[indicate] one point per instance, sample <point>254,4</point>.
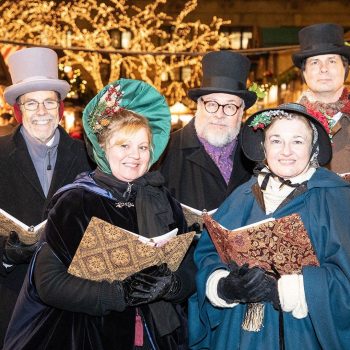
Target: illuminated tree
<point>162,50</point>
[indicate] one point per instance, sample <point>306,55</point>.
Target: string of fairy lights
<point>118,39</point>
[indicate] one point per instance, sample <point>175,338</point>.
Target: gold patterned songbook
<point>193,215</point>
<point>27,234</point>
<point>108,252</point>
<point>282,243</point>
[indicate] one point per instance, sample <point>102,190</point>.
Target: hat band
<point>323,46</point>
<point>38,77</point>
<point>221,82</point>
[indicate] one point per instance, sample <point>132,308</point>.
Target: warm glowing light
<point>122,38</point>
<point>4,107</point>
<point>179,108</point>
<point>68,119</point>
<point>273,94</point>
<point>67,69</point>
<point>185,118</point>
<point>174,119</point>
<point>180,112</point>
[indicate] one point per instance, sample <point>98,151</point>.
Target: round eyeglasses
<point>229,109</point>
<point>33,105</point>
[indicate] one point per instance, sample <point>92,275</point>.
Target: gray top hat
<point>226,72</point>
<point>321,39</point>
<point>34,69</point>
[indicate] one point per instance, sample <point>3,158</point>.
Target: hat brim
<point>12,92</point>
<point>249,97</point>
<point>143,99</point>
<point>252,140</point>
<point>300,56</point>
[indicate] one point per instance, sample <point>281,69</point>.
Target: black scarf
<point>154,212</point>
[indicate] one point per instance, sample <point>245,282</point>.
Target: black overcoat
<point>21,196</point>
<point>192,176</point>
<point>36,325</point>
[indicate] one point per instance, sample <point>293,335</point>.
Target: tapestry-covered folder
<point>282,243</point>
<point>27,234</point>
<point>108,252</point>
<point>193,215</point>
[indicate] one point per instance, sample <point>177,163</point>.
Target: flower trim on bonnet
<point>106,108</point>
<point>262,120</point>
<point>132,95</point>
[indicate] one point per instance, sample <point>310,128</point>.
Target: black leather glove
<point>150,284</point>
<point>195,227</point>
<point>248,285</point>
<point>16,252</point>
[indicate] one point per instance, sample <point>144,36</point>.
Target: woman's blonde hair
<point>126,123</point>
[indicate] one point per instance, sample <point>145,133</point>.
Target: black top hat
<point>226,72</point>
<point>321,39</point>
<point>252,140</point>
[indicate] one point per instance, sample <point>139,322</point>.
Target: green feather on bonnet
<point>133,95</point>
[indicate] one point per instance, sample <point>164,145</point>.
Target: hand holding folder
<point>280,243</point>
<point>27,234</point>
<point>195,216</point>
<point>108,252</point>
<point>276,245</point>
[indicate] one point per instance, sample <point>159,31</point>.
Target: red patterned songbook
<point>282,243</point>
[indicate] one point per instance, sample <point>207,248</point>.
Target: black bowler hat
<point>321,39</point>
<point>252,135</point>
<point>225,72</point>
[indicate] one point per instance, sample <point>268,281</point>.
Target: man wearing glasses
<point>204,161</point>
<point>35,160</point>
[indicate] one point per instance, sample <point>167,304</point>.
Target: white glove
<point>292,295</point>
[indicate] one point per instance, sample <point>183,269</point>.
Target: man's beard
<point>220,139</point>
